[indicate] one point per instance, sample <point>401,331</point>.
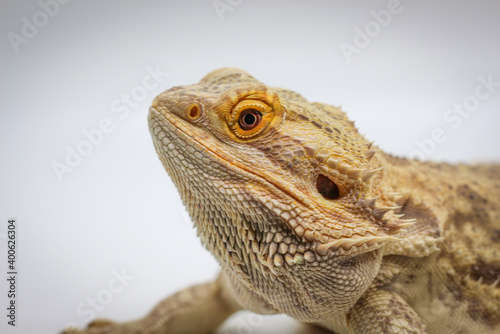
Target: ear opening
<point>327,188</point>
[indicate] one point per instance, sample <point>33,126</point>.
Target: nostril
<point>327,188</point>
<point>194,112</point>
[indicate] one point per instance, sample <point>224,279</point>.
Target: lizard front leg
<point>197,309</point>
<point>380,311</point>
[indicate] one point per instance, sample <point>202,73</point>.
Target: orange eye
<point>253,116</point>
<point>249,119</point>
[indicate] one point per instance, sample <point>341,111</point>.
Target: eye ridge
<point>249,119</point>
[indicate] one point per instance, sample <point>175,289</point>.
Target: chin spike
<point>369,154</point>
<point>379,212</point>
<point>354,173</point>
<point>494,286</point>
<point>395,225</point>
<point>369,173</point>
<point>371,202</point>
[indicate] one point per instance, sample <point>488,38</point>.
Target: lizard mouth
<point>180,130</point>
<point>177,125</point>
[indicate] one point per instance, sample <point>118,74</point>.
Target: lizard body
<point>308,218</point>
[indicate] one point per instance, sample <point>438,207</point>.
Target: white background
<point>117,210</point>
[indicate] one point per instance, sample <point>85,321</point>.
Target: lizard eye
<point>249,119</point>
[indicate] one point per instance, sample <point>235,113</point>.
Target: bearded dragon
<point>308,218</point>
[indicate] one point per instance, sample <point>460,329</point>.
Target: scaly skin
<point>308,218</point>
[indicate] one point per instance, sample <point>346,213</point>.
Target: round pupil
<point>249,119</point>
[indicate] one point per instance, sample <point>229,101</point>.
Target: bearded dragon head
<point>277,187</point>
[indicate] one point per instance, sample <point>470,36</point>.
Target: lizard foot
<point>100,323</point>
<point>103,326</point>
